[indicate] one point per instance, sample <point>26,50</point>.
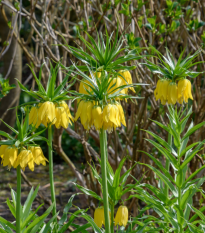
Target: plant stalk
<point>103,146</point>
<point>50,153</point>
<point>18,201</point>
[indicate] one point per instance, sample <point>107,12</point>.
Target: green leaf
<point>29,201</point>
<point>192,130</point>
<point>6,135</point>
<point>12,129</point>
<point>66,209</point>
<point>163,178</point>
<point>116,180</point>
<point>88,192</point>
<point>81,228</point>
<point>192,154</point>
<point>34,226</point>
<point>2,220</point>
<point>12,209</point>
<point>166,153</point>
<point>30,217</point>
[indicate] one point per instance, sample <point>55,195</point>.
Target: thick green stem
<point>112,218</point>
<point>18,201</point>
<point>50,153</point>
<point>103,146</point>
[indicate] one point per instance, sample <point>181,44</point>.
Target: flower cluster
<point>108,118</point>
<point>121,217</point>
<point>171,92</point>
<point>123,78</point>
<point>50,113</point>
<point>27,157</point>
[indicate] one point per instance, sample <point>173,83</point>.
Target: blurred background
<point>30,32</point>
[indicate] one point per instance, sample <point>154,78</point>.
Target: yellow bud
<point>121,217</point>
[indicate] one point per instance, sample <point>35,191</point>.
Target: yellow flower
<point>184,91</point>
<point>113,116</point>
<point>172,93</point>
<point>99,217</point>
<point>9,157</point>
<point>161,91</point>
<point>121,217</point>
<point>34,117</point>
<point>25,158</point>
<point>2,150</point>
<point>63,116</point>
<point>126,80</point>
<point>97,116</point>
<point>38,156</point>
<point>47,113</point>
<point>116,82</point>
<point>85,113</point>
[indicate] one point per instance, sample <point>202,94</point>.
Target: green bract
<point>102,89</point>
<point>171,69</point>
<point>51,93</point>
<point>24,135</point>
<point>106,53</point>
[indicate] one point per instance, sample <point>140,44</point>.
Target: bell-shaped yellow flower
<point>25,158</point>
<point>38,155</point>
<point>47,113</point>
<point>34,117</point>
<point>2,150</point>
<point>126,80</point>
<point>115,83</point>
<point>184,91</point>
<point>99,217</point>
<point>121,217</point>
<point>172,93</point>
<point>63,116</point>
<point>161,91</point>
<point>97,117</point>
<point>85,113</point>
<point>9,156</point>
<point>113,116</point>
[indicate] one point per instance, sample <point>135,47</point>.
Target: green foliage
<point>106,53</point>
<point>24,135</point>
<point>117,186</point>
<point>5,87</point>
<point>51,93</point>
<point>30,221</point>
<point>193,25</point>
<point>170,68</point>
<point>174,207</point>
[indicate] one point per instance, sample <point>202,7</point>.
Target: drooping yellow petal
<point>47,113</point>
<point>10,156</point>
<point>38,155</point>
<point>172,93</point>
<point>99,217</point>
<point>2,150</point>
<point>121,217</point>
<point>127,79</point>
<point>63,116</point>
<point>34,117</point>
<point>97,117</point>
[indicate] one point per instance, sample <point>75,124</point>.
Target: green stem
<point>50,153</point>
<point>18,201</point>
<point>103,146</point>
<point>112,218</point>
